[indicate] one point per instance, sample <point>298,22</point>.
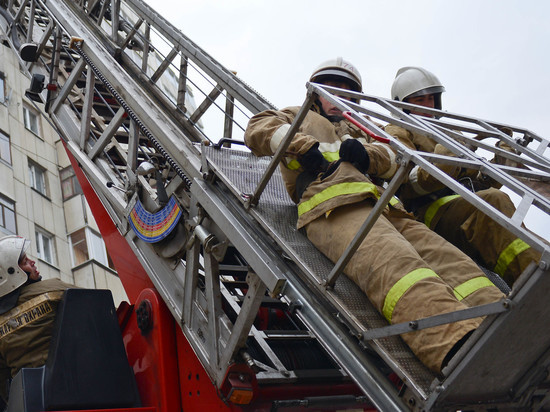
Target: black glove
<point>313,160</point>
<point>353,151</point>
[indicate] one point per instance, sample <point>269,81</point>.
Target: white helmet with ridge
<point>12,249</point>
<point>413,81</point>
<point>338,68</point>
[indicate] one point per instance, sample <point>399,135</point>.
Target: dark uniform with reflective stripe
<point>25,332</point>
<point>457,220</point>
<point>406,270</point>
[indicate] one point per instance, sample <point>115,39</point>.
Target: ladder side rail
<point>180,112</point>
<point>534,158</point>
<point>409,122</point>
<point>491,126</point>
<point>464,151</point>
<point>228,81</point>
<point>454,133</point>
<point>523,148</point>
<point>436,320</point>
<point>525,173</point>
<point>135,99</point>
<point>493,170</point>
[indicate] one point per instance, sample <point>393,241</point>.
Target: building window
<point>7,215</point>
<point>79,247</point>
<point>88,245</point>
<point>37,176</point>
<point>5,150</point>
<point>45,245</point>
<point>31,120</point>
<point>2,87</point>
<point>69,183</point>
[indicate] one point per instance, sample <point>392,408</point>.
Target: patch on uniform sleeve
<point>28,312</point>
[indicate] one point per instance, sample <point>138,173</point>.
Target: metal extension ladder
<point>127,82</point>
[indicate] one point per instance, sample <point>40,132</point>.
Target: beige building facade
<point>40,197</point>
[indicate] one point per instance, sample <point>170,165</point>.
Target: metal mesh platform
<point>277,214</point>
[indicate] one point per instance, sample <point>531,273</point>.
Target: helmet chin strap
<point>332,119</point>
<point>29,280</point>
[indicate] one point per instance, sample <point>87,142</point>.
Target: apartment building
<point>40,197</point>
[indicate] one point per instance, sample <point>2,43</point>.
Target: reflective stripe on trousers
<point>401,286</point>
<point>473,285</point>
<point>509,254</point>
<point>506,257</point>
<point>434,207</point>
<point>410,279</point>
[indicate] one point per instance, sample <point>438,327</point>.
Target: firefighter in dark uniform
<point>406,270</point>
<point>27,310</point>
<point>445,212</point>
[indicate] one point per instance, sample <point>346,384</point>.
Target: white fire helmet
<point>338,68</point>
<point>415,81</point>
<point>12,249</point>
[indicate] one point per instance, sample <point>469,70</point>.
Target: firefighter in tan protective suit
<point>27,310</point>
<point>406,270</point>
<point>442,210</point>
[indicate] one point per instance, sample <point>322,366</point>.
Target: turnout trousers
<point>408,272</point>
<point>478,235</point>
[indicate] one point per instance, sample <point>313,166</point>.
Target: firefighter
<point>406,270</point>
<point>27,310</point>
<point>442,210</point>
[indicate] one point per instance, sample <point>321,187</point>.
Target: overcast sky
<point>492,56</point>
